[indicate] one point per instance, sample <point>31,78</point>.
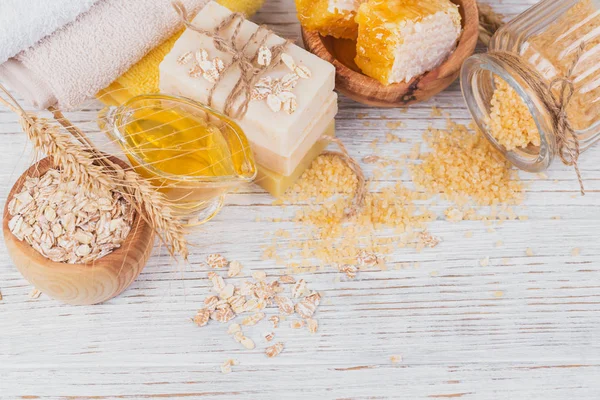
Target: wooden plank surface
<point>524,327</point>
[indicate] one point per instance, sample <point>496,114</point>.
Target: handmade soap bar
<point>286,165</point>
<point>276,184</point>
<point>400,39</point>
<point>279,131</point>
<point>329,17</point>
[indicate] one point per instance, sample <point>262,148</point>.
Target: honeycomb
<point>400,39</point>
<point>329,17</point>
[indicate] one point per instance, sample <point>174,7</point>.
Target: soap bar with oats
<point>280,132</point>
<point>285,165</point>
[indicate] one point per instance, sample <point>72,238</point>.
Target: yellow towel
<point>143,77</point>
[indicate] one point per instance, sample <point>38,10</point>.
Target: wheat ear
<point>92,169</point>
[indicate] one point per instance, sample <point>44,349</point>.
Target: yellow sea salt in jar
<point>544,60</point>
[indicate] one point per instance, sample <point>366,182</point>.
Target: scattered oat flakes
<point>216,261</point>
<point>226,366</point>
<point>253,319</point>
<point>273,351</point>
<point>275,321</point>
<point>312,325</point>
<point>217,281</point>
<point>307,306</point>
<point>297,324</point>
<point>247,343</point>
<point>223,315</point>
<point>269,336</point>
<point>259,275</point>
<point>367,259</point>
<point>234,328</point>
<point>484,262</point>
<point>498,293</point>
<point>202,316</point>
<point>349,270</point>
<point>299,288</point>
<point>211,302</point>
<point>34,294</point>
<point>287,279</point>
<point>575,252</point>
<point>227,292</point>
<point>286,306</point>
<point>428,240</point>
<point>234,269</point>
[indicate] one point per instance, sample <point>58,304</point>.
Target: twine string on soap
<point>238,100</point>
<point>361,188</point>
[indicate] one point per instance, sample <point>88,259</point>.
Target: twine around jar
<point>556,96</point>
<point>566,139</point>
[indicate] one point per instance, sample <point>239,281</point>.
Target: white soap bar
<point>287,165</point>
<point>278,131</point>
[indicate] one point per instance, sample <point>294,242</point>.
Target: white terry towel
<point>24,22</point>
<point>75,62</point>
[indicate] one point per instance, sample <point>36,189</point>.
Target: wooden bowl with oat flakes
<point>352,82</point>
<point>79,284</point>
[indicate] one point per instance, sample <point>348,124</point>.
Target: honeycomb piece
<point>401,39</point>
<point>329,17</point>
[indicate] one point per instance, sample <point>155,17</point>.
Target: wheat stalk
<point>92,169</point>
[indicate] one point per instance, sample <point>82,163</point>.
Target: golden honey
<point>179,144</point>
<point>329,17</point>
<point>189,152</point>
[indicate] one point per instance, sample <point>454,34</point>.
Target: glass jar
<point>548,40</point>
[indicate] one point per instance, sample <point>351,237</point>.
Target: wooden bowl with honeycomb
<point>352,82</point>
<point>79,284</point>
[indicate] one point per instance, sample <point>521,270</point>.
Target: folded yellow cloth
<point>143,77</point>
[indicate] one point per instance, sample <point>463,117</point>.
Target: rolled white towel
<point>24,22</point>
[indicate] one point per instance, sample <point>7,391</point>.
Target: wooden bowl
<point>350,81</point>
<point>80,284</point>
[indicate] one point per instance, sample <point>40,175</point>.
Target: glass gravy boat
<point>189,152</point>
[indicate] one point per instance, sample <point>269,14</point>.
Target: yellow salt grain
<point>510,121</point>
<point>463,165</point>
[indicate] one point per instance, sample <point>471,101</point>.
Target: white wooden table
<point>524,327</point>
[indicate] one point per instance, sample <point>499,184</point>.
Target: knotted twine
<point>236,104</point>
<point>556,96</point>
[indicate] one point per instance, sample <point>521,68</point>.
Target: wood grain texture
<point>524,327</point>
<point>364,89</point>
<point>79,284</point>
